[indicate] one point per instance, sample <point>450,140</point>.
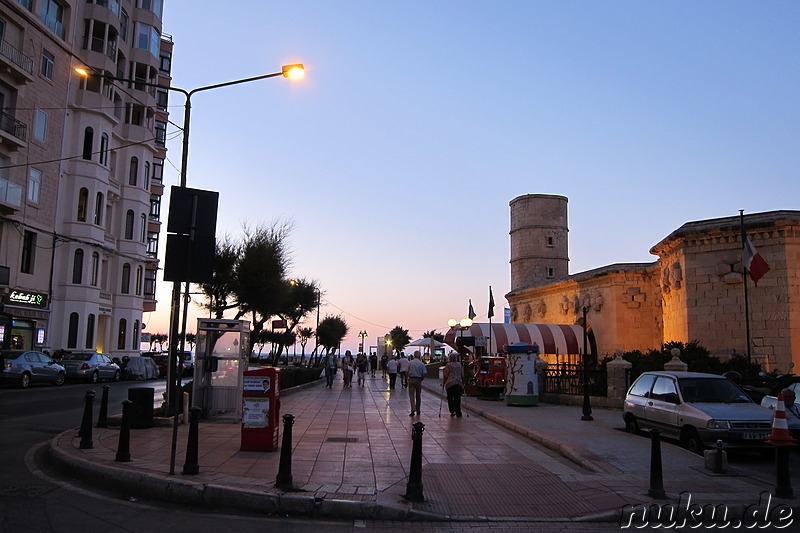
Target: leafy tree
<point>399,338</point>
<point>304,334</point>
<point>432,333</point>
<point>158,338</point>
<point>220,292</point>
<point>296,299</point>
<point>331,331</point>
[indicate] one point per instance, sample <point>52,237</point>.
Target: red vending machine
<point>261,409</point>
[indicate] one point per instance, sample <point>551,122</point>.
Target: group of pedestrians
<point>411,372</point>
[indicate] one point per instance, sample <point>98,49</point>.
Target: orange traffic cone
<point>780,435</point>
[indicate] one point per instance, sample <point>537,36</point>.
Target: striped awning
<point>551,338</point>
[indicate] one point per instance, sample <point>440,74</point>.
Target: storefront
<point>24,319</point>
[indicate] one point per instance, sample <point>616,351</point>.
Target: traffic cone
<point>780,435</point>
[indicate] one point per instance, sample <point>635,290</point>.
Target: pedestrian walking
<point>391,370</point>
<point>416,373</point>
<point>454,384</point>
<point>348,365</point>
<point>402,370</point>
<point>373,364</point>
<point>362,364</point>
<point>384,361</point>
<point>330,369</point>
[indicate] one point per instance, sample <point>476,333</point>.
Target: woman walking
<point>362,363</point>
<point>454,384</point>
<point>347,368</point>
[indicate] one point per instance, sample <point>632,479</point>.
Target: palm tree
<point>331,331</point>
<point>399,338</point>
<point>304,334</point>
<point>432,333</point>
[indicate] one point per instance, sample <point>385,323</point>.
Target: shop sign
<point>32,299</point>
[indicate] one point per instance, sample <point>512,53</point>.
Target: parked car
<point>697,409</point>
<point>790,382</point>
<point>162,362</point>
<point>90,366</point>
<point>24,367</point>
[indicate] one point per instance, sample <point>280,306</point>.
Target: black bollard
<point>414,485</point>
<point>718,468</point>
<point>783,482</point>
<point>656,476</point>
<point>101,418</point>
<point>86,424</point>
<point>284,478</point>
<point>191,467</point>
<point>124,446</point>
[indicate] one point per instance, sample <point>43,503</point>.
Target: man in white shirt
<point>416,373</point>
<point>402,369</point>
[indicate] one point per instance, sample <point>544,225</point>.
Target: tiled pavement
<point>352,448</point>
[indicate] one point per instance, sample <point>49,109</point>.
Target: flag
<point>491,303</point>
<point>753,262</point>
<point>471,313</point>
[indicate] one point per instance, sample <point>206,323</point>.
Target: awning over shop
<point>551,338</point>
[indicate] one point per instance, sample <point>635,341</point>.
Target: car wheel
<point>24,380</point>
<point>631,425</point>
<point>116,375</point>
<point>690,440</point>
<point>94,378</point>
<point>60,379</point>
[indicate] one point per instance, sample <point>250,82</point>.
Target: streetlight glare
<point>82,71</point>
<point>293,71</point>
<point>452,322</point>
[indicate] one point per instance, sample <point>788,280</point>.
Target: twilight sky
<point>418,122</point>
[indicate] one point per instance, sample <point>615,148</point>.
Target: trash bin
<point>142,408</point>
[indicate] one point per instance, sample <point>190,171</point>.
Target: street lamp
<point>362,335</point>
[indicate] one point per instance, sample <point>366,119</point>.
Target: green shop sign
<point>30,299</point>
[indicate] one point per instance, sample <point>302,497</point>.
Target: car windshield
<point>710,390</point>
<point>77,357</point>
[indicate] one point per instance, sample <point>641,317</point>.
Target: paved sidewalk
<point>351,454</point>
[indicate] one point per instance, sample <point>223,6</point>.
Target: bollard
<point>284,478</point>
<point>124,446</point>
<point>101,418</point>
<point>86,424</point>
<point>656,477</point>
<point>414,485</point>
<point>190,467</point>
<point>783,482</point>
<point>718,469</point>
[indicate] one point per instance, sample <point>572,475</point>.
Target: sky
<point>397,155</point>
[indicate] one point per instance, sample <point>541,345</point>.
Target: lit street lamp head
<point>293,71</point>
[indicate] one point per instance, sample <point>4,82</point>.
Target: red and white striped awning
<point>551,338</point>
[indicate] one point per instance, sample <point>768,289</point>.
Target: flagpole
<point>746,300</point>
<point>491,314</point>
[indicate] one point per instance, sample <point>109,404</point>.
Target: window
<point>123,25</point>
<point>88,142</point>
<point>148,38</point>
<point>104,149</point>
<point>165,62</point>
<point>156,6</point>
<point>135,336</point>
<point>129,224</point>
<point>95,268</point>
<point>158,170</point>
<point>126,279</point>
<point>72,331</point>
<point>146,175</point>
<point>150,283</point>
<point>155,207</point>
<point>83,200</point>
<point>90,332</point>
<point>643,385</point>
<point>551,272</point>
<point>139,279</point>
<point>40,125</point>
<point>77,267</point>
<point>161,133</point>
<point>134,171</point>
<point>28,252</point>
<point>143,228</point>
<point>34,185</point>
<point>664,390</point>
<point>48,64</point>
<point>123,325</point>
<point>551,241</point>
<point>27,3</point>
<point>162,99</point>
<point>98,209</point>
<point>52,14</point>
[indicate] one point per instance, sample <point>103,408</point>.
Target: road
<point>35,498</point>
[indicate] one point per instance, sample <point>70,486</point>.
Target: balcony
<point>19,65</point>
<point>13,132</point>
<point>10,196</point>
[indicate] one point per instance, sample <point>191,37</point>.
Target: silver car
<point>90,366</point>
<point>697,409</point>
<point>24,367</point>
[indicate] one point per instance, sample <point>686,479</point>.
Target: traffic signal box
<point>261,410</point>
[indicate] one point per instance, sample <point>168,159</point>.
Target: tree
<point>220,293</point>
<point>432,333</point>
<point>297,298</point>
<point>331,331</point>
<point>304,334</point>
<point>158,338</point>
<point>399,338</point>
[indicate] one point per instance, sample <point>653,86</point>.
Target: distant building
<point>81,163</point>
<point>694,291</point>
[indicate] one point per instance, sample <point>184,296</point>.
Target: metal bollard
<point>124,446</point>
<point>103,415</point>
<point>656,476</point>
<point>191,467</point>
<point>414,485</point>
<point>86,424</point>
<point>718,468</point>
<point>783,482</point>
<point>284,478</point>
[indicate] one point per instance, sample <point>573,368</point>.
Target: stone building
<point>694,290</point>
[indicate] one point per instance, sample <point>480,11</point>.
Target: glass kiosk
<point>220,361</point>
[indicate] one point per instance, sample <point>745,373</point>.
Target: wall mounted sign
<point>31,299</point>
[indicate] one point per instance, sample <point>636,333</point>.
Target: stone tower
<point>539,252</point>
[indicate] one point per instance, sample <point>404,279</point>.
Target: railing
<point>568,379</point>
<point>16,57</point>
<point>13,126</point>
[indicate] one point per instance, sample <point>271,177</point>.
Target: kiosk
<point>220,361</point>
<point>261,409</point>
<point>522,385</point>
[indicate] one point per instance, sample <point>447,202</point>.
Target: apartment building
<point>81,162</point>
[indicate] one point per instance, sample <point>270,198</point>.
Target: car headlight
<point>718,424</point>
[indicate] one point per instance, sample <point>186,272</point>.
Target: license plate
<point>754,436</point>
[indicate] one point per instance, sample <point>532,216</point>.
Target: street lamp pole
<point>362,335</point>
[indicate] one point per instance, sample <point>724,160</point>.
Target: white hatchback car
<point>697,409</point>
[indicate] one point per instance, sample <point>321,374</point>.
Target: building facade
<point>694,291</point>
<point>81,161</point>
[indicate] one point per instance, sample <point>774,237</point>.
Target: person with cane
<point>454,384</point>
